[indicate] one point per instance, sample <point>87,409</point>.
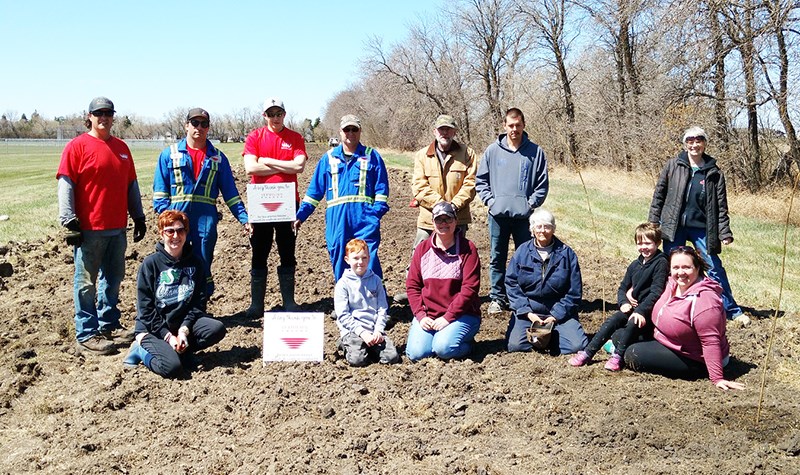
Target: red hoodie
<point>440,284</point>
<point>693,324</point>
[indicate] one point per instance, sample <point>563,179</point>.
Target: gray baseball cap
<point>443,208</point>
<point>100,103</point>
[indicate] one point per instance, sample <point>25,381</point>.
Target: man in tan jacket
<point>443,171</point>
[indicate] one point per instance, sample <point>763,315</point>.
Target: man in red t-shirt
<point>97,189</point>
<point>273,154</point>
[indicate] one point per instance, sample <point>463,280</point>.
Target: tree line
<point>230,127</point>
<point>611,82</point>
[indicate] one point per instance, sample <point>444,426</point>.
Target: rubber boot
<point>286,282</point>
<point>258,287</point>
<point>137,355</point>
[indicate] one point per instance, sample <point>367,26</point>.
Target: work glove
<point>139,229</point>
<point>74,235</point>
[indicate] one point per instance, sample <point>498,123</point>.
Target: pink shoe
<point>580,359</point>
<point>614,363</point>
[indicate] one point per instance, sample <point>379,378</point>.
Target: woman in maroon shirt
<point>443,283</point>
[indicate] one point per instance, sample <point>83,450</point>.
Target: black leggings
<point>653,357</point>
<point>628,332</point>
<point>166,362</point>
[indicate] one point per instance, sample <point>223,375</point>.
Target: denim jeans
<point>99,270</point>
<point>453,341</point>
<point>500,231</point>
<point>697,236</point>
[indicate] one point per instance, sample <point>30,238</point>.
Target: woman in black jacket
<point>690,203</point>
<point>171,321</point>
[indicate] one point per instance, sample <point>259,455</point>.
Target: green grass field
<point>753,262</point>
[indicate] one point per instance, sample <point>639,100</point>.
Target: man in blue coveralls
<point>353,180</point>
<point>189,177</point>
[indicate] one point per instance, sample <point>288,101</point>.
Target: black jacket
<point>170,293</point>
<point>669,199</point>
<point>648,281</point>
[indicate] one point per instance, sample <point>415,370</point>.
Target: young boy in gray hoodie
<point>360,304</point>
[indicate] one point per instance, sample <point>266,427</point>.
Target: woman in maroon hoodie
<point>442,284</point>
<point>689,324</point>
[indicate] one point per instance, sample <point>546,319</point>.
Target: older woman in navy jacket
<point>544,285</point>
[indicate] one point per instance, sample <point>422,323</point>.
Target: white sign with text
<point>293,336</point>
<point>271,202</point>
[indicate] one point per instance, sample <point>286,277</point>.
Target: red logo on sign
<point>271,207</point>
<point>294,343</point>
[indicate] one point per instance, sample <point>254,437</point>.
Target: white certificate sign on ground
<point>271,202</point>
<point>293,336</point>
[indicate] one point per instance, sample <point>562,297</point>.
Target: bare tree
<point>549,19</point>
<point>741,28</point>
<point>496,39</point>
<point>782,19</point>
<point>432,64</point>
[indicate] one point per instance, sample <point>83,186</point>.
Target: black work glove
<point>139,229</point>
<point>74,235</point>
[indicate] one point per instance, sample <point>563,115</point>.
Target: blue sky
<point>151,57</point>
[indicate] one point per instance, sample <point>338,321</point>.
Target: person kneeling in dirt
<point>171,323</point>
<point>360,305</point>
<point>544,286</point>
<point>689,320</point>
<point>442,284</point>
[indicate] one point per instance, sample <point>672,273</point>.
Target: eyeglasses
<point>542,227</point>
<point>444,219</point>
<point>350,130</point>
<point>175,231</point>
<point>103,113</point>
<point>695,139</point>
<point>275,114</point>
<point>200,123</point>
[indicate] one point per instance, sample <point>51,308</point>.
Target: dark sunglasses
<point>682,250</point>
<point>350,130</point>
<point>200,123</point>
<point>275,114</point>
<point>174,231</point>
<point>103,113</point>
<point>699,138</point>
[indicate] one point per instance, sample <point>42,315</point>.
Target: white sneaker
<point>742,319</point>
<point>495,308</point>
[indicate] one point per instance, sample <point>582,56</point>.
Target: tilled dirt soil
<point>493,413</point>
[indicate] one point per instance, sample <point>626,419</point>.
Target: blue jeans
<point>453,341</point>
<point>99,270</point>
<point>500,231</point>
<point>569,336</point>
<point>697,236</point>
